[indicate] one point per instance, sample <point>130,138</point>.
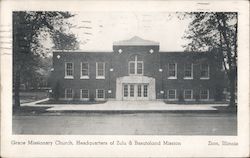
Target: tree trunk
<point>17,90</point>
<point>232,89</point>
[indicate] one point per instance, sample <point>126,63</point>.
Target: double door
<point>135,91</point>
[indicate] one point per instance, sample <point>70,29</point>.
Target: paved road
<point>127,124</point>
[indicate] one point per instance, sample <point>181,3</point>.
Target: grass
<point>26,110</point>
<point>30,96</point>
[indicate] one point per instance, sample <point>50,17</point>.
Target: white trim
<point>96,97</point>
<point>65,71</point>
<point>208,77</point>
<point>174,94</point>
<point>85,76</point>
<point>97,76</point>
<point>192,74</point>
<point>207,95</point>
<point>81,95</point>
<point>175,69</point>
<point>192,96</point>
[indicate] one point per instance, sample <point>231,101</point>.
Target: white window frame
<point>81,94</point>
<point>65,93</point>
<point>136,64</point>
<point>97,94</point>
<point>65,72</point>
<point>97,75</point>
<point>207,95</point>
<point>84,76</point>
<point>188,77</point>
<point>192,95</point>
<point>208,77</point>
<point>172,99</point>
<point>175,67</point>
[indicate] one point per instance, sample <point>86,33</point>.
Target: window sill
<point>84,77</point>
<point>100,77</point>
<point>188,78</point>
<point>204,78</point>
<point>189,99</point>
<point>172,78</point>
<point>68,77</point>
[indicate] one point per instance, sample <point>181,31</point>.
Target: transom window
<point>172,94</point>
<point>188,94</point>
<point>172,71</point>
<point>84,70</point>
<point>204,71</point>
<point>69,70</point>
<point>188,71</point>
<point>204,94</point>
<point>84,94</point>
<point>100,93</point>
<point>100,70</point>
<point>68,93</point>
<point>135,65</point>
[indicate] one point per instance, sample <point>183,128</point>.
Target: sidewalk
<point>147,106</point>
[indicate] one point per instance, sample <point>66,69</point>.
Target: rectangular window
<point>188,94</point>
<point>100,93</point>
<point>139,68</point>
<point>69,70</point>
<point>204,71</point>
<point>84,70</point>
<point>204,94</point>
<point>139,90</point>
<point>172,94</point>
<point>172,71</point>
<point>145,90</point>
<point>132,90</point>
<point>100,70</point>
<point>125,90</point>
<point>68,93</point>
<point>188,71</point>
<point>132,67</point>
<point>84,94</point>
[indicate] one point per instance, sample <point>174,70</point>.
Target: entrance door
<point>135,92</point>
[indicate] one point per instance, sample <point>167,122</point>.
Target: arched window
<point>135,65</point>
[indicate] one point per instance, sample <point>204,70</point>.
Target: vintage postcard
<point>124,78</point>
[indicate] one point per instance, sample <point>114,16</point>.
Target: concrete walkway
<point>126,106</point>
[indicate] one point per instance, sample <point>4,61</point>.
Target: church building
<point>137,70</point>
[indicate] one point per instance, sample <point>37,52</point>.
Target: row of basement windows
<point>188,94</point>
<point>171,94</point>
<point>135,68</point>
<point>84,94</point>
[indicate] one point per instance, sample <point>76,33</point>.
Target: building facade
<point>137,70</point>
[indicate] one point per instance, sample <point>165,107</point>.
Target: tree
<point>28,50</point>
<point>216,31</point>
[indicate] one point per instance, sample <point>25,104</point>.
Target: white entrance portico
<point>135,88</point>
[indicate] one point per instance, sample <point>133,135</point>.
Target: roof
<point>136,41</point>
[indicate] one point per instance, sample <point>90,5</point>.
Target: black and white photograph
<point>124,79</point>
<point>125,73</point>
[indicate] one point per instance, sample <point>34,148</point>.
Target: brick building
<point>137,70</point>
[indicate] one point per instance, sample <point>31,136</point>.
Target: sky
<point>96,31</point>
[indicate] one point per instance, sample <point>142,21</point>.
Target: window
<point>100,70</point>
<point>84,70</point>
<point>84,94</point>
<point>204,71</point>
<point>100,94</point>
<point>125,90</point>
<point>188,94</point>
<point>172,94</point>
<point>68,93</point>
<point>69,70</point>
<point>135,65</point>
<point>172,71</point>
<point>204,94</point>
<point>131,90</point>
<point>188,71</point>
<point>139,90</point>
<point>145,90</point>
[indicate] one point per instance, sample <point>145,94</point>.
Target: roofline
<point>81,51</point>
<point>136,44</point>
